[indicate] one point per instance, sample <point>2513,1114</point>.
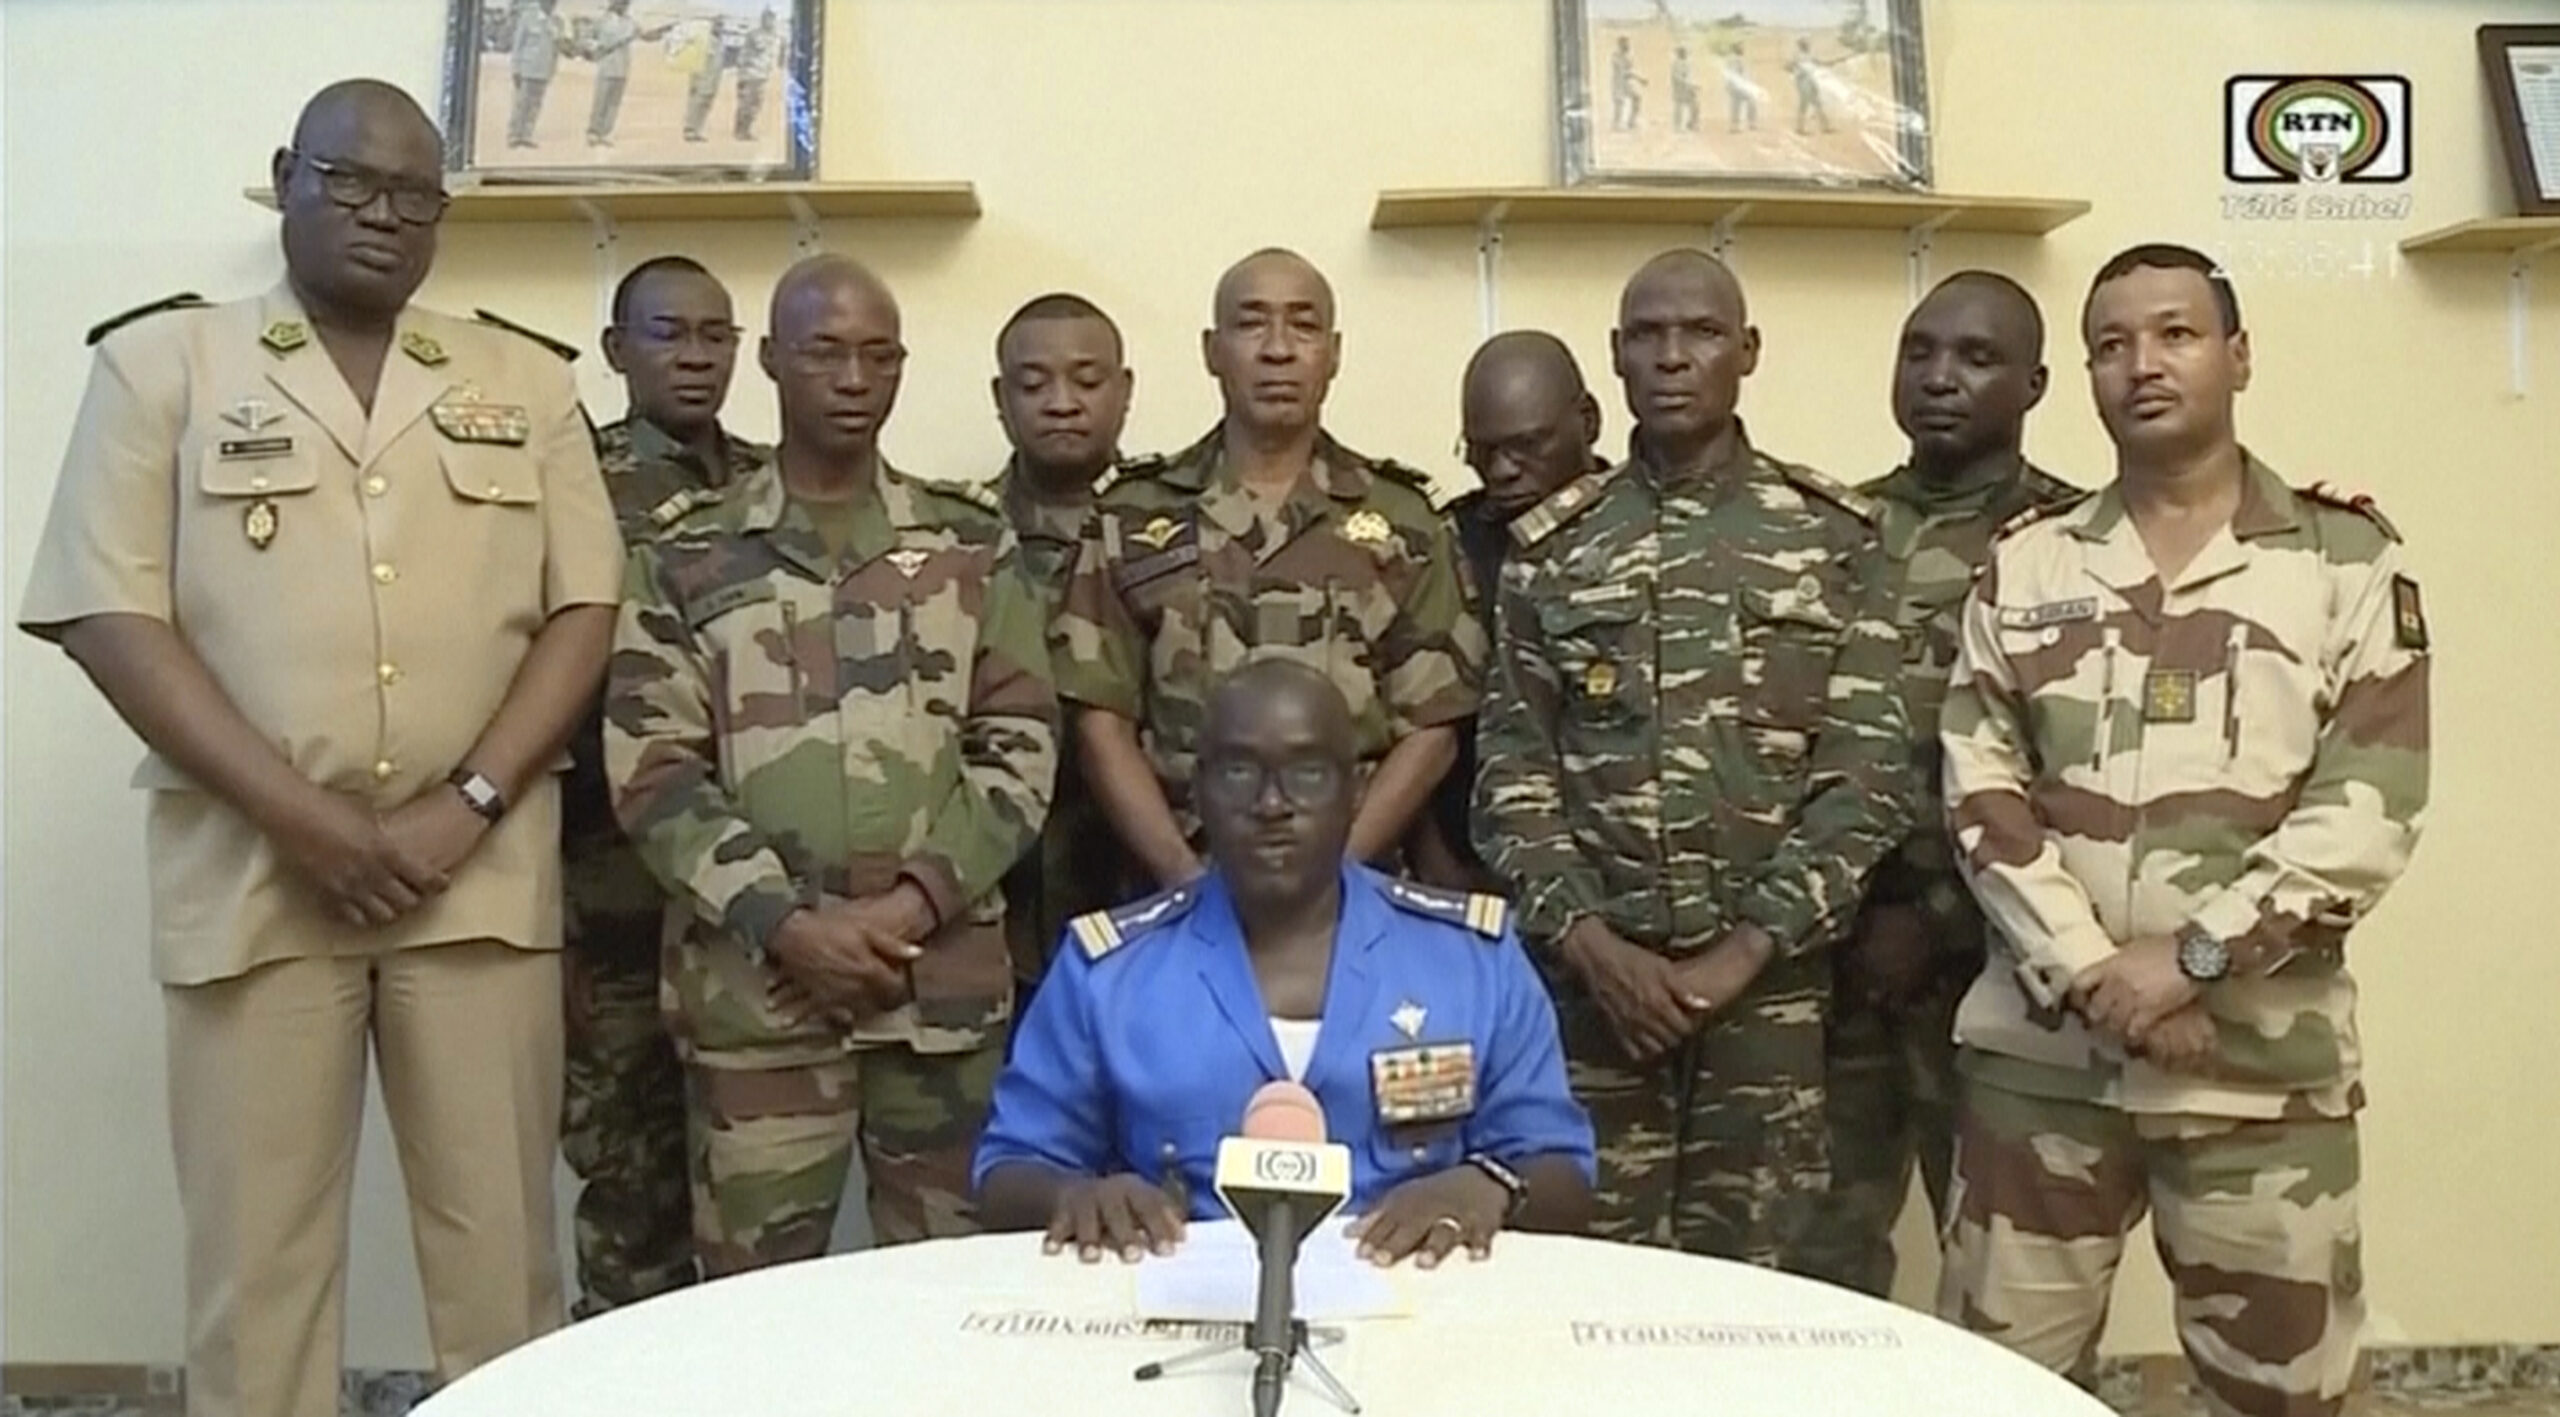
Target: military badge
<point>259,523</point>
<point>1367,528</point>
<point>2408,617</point>
<point>2169,696</point>
<point>422,349</point>
<point>1600,681</point>
<point>463,421</point>
<point>1408,1018</point>
<point>2057,612</point>
<point>909,560</point>
<point>1158,533</point>
<point>1429,1082</point>
<point>285,336</point>
<point>251,415</point>
<point>253,449</point>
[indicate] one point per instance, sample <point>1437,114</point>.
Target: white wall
<point>1130,148</point>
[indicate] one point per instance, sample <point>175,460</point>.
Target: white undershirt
<point>1297,1039</point>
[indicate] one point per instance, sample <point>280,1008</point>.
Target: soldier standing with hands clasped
<point>2186,753</point>
<point>346,567</point>
<point>830,731</point>
<point>1694,752</point>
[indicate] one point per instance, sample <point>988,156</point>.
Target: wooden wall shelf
<point>2522,240</point>
<point>742,201</point>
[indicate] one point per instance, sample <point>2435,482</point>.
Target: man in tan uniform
<point>347,568</point>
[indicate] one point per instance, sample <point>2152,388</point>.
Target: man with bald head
<point>1694,753</point>
<point>1967,370</point>
<point>1410,1013</point>
<point>1266,537</point>
<point>829,730</point>
<point>1528,423</point>
<point>345,565</point>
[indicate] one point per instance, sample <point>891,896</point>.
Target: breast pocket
<point>239,474</point>
<point>497,538</point>
<point>1602,653</point>
<point>767,657</point>
<point>1790,636</point>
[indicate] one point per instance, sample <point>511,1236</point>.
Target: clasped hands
<point>2139,997</point>
<point>846,960</point>
<point>372,868</point>
<point>1652,1002</point>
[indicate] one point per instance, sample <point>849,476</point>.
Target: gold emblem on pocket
<point>2169,696</point>
<point>1366,528</point>
<point>1600,680</point>
<point>259,523</point>
<point>1158,533</point>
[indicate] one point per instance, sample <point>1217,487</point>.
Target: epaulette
<point>566,351</point>
<point>1144,465</point>
<point>188,300</point>
<point>2359,503</point>
<point>1106,930</point>
<point>684,503</point>
<point>1484,914</point>
<point>1394,471</point>
<point>981,495</point>
<point>1830,489</point>
<point>1561,506</point>
<point>2040,512</point>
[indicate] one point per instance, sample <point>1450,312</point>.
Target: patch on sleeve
<point>2409,619</point>
<point>1103,931</point>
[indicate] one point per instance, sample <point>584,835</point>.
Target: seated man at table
<point>1411,1013</point>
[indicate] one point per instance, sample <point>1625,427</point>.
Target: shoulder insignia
<point>423,348</point>
<point>1397,472</point>
<point>2359,503</point>
<point>1144,465</point>
<point>1103,931</point>
<point>2039,512</point>
<point>1484,914</point>
<point>2044,487</point>
<point>1830,489</point>
<point>1561,506</point>
<point>981,495</point>
<point>285,336</point>
<point>187,301</point>
<point>565,351</point>
<point>683,504</point>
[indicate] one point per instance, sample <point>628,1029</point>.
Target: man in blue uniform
<point>1411,1013</point>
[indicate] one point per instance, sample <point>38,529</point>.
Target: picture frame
<point>2522,66</point>
<point>1810,93</point>
<point>632,91</point>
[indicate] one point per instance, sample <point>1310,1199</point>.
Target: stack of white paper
<point>1213,1277</point>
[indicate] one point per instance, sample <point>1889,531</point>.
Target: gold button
<point>376,486</point>
<point>496,491</point>
<point>383,770</point>
<point>390,673</point>
<point>258,484</point>
<point>383,573</point>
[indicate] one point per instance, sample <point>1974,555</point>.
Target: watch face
<point>2203,957</point>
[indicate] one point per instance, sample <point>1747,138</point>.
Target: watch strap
<point>1503,1176</point>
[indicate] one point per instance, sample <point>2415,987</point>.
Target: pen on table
<point>1174,1189</point>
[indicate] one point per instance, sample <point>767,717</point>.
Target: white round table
<point>989,1325</point>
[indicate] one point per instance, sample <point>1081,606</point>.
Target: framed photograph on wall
<point>632,90</point>
<point>2523,70</point>
<point>1742,92</point>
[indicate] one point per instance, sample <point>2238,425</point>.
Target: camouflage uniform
<point>1182,580</point>
<point>622,1123</point>
<point>1077,866</point>
<point>784,723</point>
<point>1891,1079</point>
<point>2246,752</point>
<point>1696,725</point>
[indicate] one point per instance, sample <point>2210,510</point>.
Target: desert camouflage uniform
<point>622,1123</point>
<point>1181,581</point>
<point>1077,866</point>
<point>783,723</point>
<point>2245,751</point>
<point>1695,725</point>
<point>1890,1087</point>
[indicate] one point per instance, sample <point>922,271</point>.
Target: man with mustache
<point>1695,751</point>
<point>2186,753</point>
<point>346,567</point>
<point>1968,369</point>
<point>1266,537</point>
<point>830,731</point>
<point>1528,423</point>
<point>674,340</point>
<point>1062,390</point>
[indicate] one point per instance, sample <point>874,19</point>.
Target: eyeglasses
<point>355,188</point>
<point>831,357</point>
<point>712,336</point>
<point>1305,782</point>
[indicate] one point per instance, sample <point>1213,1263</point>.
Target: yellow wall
<point>1129,149</point>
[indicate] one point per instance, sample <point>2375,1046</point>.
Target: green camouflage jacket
<point>2245,750</point>
<point>780,726</point>
<point>1181,581</point>
<point>1695,720</point>
<point>614,907</point>
<point>1937,539</point>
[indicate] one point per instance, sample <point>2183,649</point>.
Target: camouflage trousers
<point>1716,1148</point>
<point>2256,1225</point>
<point>772,1149</point>
<point>622,1132</point>
<point>1889,1093</point>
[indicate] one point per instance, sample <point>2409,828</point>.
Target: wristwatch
<point>2202,956</point>
<point>1503,1176</point>
<point>478,793</point>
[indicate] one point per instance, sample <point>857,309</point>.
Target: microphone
<point>1281,1179</point>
